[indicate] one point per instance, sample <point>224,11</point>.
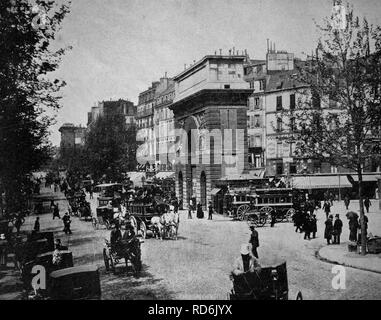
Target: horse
<point>170,221</point>
<point>157,227</point>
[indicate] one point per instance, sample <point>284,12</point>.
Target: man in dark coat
<point>307,227</point>
<point>313,225</point>
<point>327,208</point>
<point>37,224</point>
<point>328,229</point>
<point>200,213</point>
<point>66,220</point>
<point>367,204</point>
<point>210,211</point>
<point>337,229</point>
<point>254,241</point>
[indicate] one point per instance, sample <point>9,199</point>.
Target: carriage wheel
<point>266,210</point>
<point>289,214</point>
<point>94,222</point>
<point>242,210</point>
<point>134,224</point>
<point>106,259</point>
<point>143,229</point>
<point>252,219</point>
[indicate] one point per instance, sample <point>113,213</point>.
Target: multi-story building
<point>256,74</point>
<point>145,125</point>
<point>164,124</point>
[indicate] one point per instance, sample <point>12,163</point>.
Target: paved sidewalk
<point>339,254</point>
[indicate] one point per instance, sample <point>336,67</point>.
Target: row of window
<point>279,102</point>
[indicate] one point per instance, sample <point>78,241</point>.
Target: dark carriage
<point>260,205</point>
<point>75,283</point>
<point>270,283</point>
<point>127,250</point>
<point>109,193</point>
<point>140,215</point>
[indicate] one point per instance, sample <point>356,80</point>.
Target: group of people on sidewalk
<point>199,210</point>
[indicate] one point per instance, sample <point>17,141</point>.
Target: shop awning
<point>214,191</point>
<point>320,182</point>
<point>366,177</point>
<point>240,177</point>
<point>165,174</point>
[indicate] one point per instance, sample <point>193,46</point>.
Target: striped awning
<point>320,182</point>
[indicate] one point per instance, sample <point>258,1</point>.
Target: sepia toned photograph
<point>190,150</point>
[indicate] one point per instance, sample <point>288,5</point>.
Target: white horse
<point>157,227</point>
<point>170,222</point>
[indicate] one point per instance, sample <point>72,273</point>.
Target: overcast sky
<point>121,46</point>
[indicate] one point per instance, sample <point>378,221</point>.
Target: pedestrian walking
<point>327,208</point>
<point>328,229</point>
<point>200,213</point>
<point>66,220</point>
<point>91,191</point>
<point>353,227</point>
<point>347,202</point>
<point>307,227</point>
<point>175,206</point>
<point>313,225</point>
<point>189,213</point>
<point>254,241</point>
<point>37,224</point>
<point>56,212</point>
<point>19,222</point>
<point>210,216</point>
<point>337,229</point>
<point>273,219</point>
<point>367,204</point>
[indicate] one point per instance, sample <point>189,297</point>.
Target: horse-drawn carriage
<point>153,218</point>
<point>261,205</point>
<point>109,200</point>
<point>269,283</point>
<point>129,250</point>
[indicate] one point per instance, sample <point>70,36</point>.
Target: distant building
<point>71,136</point>
<point>120,107</point>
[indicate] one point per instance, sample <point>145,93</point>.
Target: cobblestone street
<point>197,265</point>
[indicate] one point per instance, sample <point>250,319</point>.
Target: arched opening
<point>203,189</point>
<point>181,188</point>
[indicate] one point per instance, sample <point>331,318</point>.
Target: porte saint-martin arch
<point>210,109</point>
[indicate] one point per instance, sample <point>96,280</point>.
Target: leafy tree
<point>340,123</point>
<point>26,91</point>
<point>110,148</point>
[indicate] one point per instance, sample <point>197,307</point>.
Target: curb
<point>318,256</point>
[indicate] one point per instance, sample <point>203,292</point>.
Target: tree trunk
<point>363,236</point>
